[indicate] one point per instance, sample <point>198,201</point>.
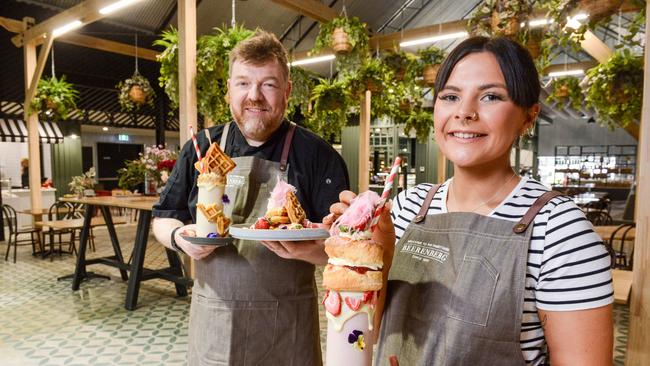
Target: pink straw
<point>388,186</point>
<point>196,148</point>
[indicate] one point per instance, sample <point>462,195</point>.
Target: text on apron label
<point>425,252</point>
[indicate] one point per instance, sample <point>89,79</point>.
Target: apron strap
<point>425,205</point>
<point>207,135</point>
<point>522,225</point>
<point>287,145</point>
<point>224,136</point>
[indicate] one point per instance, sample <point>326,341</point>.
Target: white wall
<point>11,153</point>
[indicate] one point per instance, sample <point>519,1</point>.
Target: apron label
<point>425,252</point>
<point>236,180</point>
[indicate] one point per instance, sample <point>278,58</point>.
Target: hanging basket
<point>373,86</point>
<point>534,47</point>
<point>510,29</point>
<point>137,95</point>
<point>429,74</point>
<point>340,41</point>
<point>562,91</point>
<point>405,105</point>
<point>599,9</point>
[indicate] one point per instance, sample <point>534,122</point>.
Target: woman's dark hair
<point>517,67</point>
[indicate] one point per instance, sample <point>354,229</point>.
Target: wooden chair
<point>620,256</point>
<point>11,220</point>
<point>60,211</point>
<point>599,218</point>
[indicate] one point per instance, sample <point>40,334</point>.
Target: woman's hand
<point>337,209</point>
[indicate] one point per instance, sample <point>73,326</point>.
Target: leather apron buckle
<point>520,228</point>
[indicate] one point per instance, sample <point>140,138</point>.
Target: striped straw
<point>196,148</point>
<point>387,188</point>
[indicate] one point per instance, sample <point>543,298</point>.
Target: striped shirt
<point>567,268</point>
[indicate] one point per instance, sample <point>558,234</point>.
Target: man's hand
<point>195,251</point>
<point>312,251</point>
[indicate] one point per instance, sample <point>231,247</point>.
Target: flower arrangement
<point>55,98</point>
<point>155,164</point>
<point>135,92</point>
<point>82,182</point>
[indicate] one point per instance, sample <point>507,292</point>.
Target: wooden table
<point>143,204</point>
<point>622,281</point>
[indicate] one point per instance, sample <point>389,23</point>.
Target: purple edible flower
<point>354,336</point>
<point>225,199</point>
<point>213,235</point>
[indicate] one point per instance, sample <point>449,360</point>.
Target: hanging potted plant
<point>565,90</point>
<point>55,99</point>
<point>500,18</point>
<point>348,37</point>
<point>330,100</point>
<point>429,63</point>
<point>401,63</point>
<point>616,89</point>
<point>303,82</point>
<point>135,92</point>
<point>211,69</point>
<point>420,120</point>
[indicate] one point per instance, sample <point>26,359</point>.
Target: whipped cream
<point>342,262</point>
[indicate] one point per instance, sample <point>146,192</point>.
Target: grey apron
<point>456,290</point>
<point>249,306</point>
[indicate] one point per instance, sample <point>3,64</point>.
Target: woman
<point>473,279</point>
<point>24,173</point>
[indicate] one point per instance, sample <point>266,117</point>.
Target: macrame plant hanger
<point>137,72</point>
<point>52,53</point>
<point>233,21</point>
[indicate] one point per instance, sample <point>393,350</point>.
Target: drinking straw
<point>393,360</point>
<point>196,148</point>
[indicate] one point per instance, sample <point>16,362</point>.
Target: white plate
<point>243,231</point>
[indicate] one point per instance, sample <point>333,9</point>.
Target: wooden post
<point>364,142</point>
<point>638,344</point>
<point>30,72</point>
<point>187,68</point>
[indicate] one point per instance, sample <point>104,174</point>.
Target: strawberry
<point>367,296</point>
<point>333,303</point>
<point>353,303</point>
<point>262,224</point>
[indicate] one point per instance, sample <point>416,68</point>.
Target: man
<point>255,303</point>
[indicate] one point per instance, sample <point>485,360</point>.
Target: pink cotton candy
<point>279,194</point>
<point>359,214</point>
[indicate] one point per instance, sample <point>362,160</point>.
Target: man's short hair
<point>260,48</point>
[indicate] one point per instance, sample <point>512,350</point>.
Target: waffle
<point>294,210</point>
<point>216,161</point>
<point>222,224</point>
<point>211,212</point>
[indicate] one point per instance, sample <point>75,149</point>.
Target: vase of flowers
<point>80,183</point>
<point>152,168</point>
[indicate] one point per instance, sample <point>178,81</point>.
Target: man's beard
<point>259,127</point>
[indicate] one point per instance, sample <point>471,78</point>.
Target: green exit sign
<point>122,137</point>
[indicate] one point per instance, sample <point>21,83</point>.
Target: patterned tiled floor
<point>43,322</point>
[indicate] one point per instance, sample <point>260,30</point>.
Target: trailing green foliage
<point>569,86</point>
<point>616,89</point>
<point>331,100</point>
<point>420,120</point>
<point>211,69</point>
<point>168,59</point>
<point>303,82</point>
<point>126,103</point>
<point>55,99</point>
<point>431,55</point>
<point>501,18</point>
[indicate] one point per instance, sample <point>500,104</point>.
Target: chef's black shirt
<point>315,169</point>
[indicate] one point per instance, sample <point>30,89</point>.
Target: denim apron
<point>455,291</point>
<point>249,306</point>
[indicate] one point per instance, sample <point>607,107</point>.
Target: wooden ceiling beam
<point>86,12</point>
<point>309,8</point>
<point>77,39</point>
